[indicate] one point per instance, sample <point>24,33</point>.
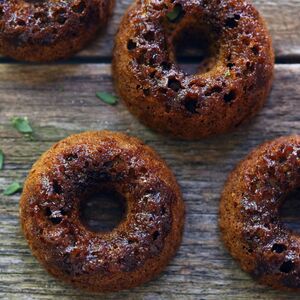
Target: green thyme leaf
<point>15,187</point>
<point>22,124</point>
<point>107,98</point>
<point>227,73</point>
<point>175,13</point>
<point>1,159</point>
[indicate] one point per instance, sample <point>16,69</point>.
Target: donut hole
<point>166,65</point>
<point>48,212</point>
<point>278,248</point>
<point>232,21</point>
<point>255,50</point>
<point>60,16</point>
<point>174,84</point>
<point>56,187</point>
<point>79,7</point>
<point>290,211</point>
<point>286,266</point>
<point>191,104</point>
<point>71,157</point>
<point>230,96</point>
<point>155,235</point>
<point>131,45</point>
<point>146,92</point>
<point>230,65</point>
<point>55,217</point>
<point>21,22</point>
<point>152,74</point>
<point>103,211</point>
<point>199,42</point>
<point>55,220</point>
<point>149,36</point>
<point>215,89</point>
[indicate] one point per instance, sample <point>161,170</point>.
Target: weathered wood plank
<point>60,100</point>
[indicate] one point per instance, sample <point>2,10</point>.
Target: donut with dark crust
<point>93,162</point>
<point>42,31</point>
<point>249,213</point>
<point>231,85</point>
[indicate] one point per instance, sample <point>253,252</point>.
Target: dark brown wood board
<point>59,100</point>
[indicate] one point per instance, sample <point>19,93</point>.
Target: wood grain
<point>60,100</point>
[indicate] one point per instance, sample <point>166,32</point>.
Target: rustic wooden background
<point>60,100</point>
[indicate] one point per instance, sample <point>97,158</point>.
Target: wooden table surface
<point>59,100</point>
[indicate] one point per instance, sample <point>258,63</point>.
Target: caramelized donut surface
<point>94,162</point>
<point>49,30</point>
<point>231,84</point>
<point>249,213</point>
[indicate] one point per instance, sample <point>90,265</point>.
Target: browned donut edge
<point>230,217</point>
<point>125,280</point>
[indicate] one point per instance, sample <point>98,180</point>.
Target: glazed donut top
<point>43,22</point>
<point>241,53</point>
<point>270,174</point>
<point>80,166</point>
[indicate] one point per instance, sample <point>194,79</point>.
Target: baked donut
<point>231,84</point>
<point>43,31</point>
<point>249,213</point>
<point>71,172</point>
